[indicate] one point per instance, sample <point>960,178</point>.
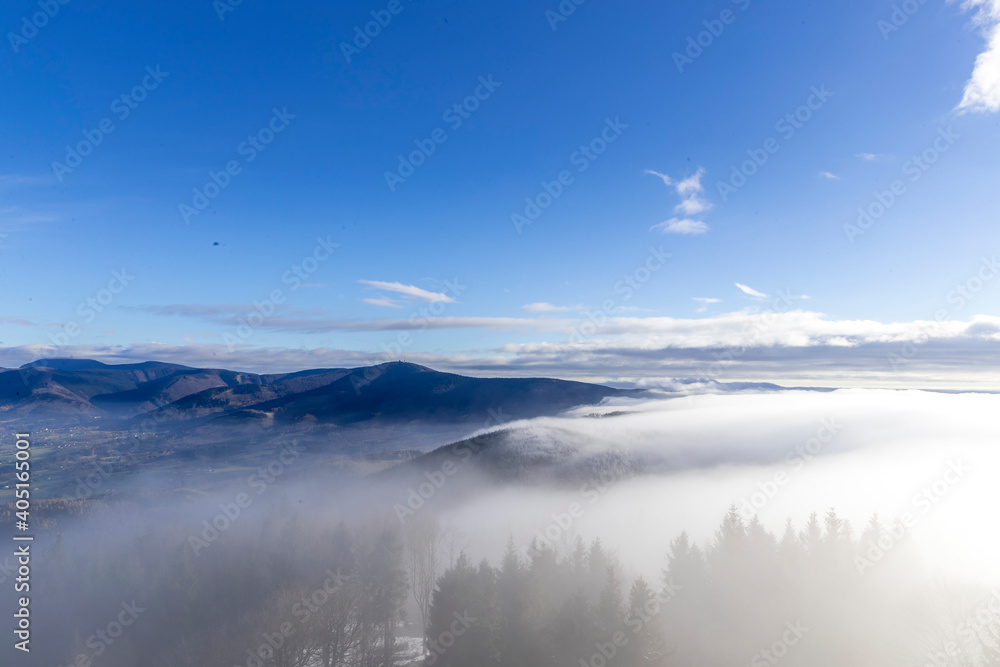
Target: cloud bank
<point>982,91</point>
<point>858,451</point>
<point>792,348</point>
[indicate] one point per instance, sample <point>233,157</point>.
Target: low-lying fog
<point>931,459</point>
<point>222,569</point>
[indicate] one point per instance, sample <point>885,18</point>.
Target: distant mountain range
<point>176,398</point>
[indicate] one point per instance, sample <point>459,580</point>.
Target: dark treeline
<point>816,597</point>
<point>292,588</point>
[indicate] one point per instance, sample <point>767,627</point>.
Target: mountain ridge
<point>396,391</point>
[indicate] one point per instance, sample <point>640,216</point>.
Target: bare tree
<point>424,539</point>
<point>455,542</point>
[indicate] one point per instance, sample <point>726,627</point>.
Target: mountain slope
<point>68,388</point>
<point>402,392</point>
<point>228,405</point>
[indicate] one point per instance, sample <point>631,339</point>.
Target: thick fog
<point>635,494</point>
<point>779,455</point>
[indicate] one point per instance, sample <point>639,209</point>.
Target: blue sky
<point>552,87</point>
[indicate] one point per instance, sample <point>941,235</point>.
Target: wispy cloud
<point>16,215</point>
<point>17,321</point>
<point>982,91</point>
<point>313,321</point>
<point>680,226</point>
<point>663,177</point>
<point>749,291</point>
<point>750,327</point>
<point>15,180</point>
<point>689,189</point>
<point>706,302</point>
<point>796,347</point>
<point>873,157</point>
<point>411,291</point>
<point>829,175</point>
<point>543,307</point>
<point>383,301</point>
<point>692,203</point>
<point>221,312</point>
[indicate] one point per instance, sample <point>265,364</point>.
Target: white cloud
<point>543,307</point>
<point>692,206</point>
<point>689,190</point>
<point>832,177</point>
<point>663,177</point>
<point>16,320</point>
<point>383,301</point>
<point>705,301</point>
<point>795,348</point>
<point>873,157</point>
<point>751,327</point>
<point>982,91</point>
<point>717,447</point>
<point>408,290</point>
<point>692,184</point>
<point>795,328</point>
<point>750,291</point>
<point>681,226</point>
